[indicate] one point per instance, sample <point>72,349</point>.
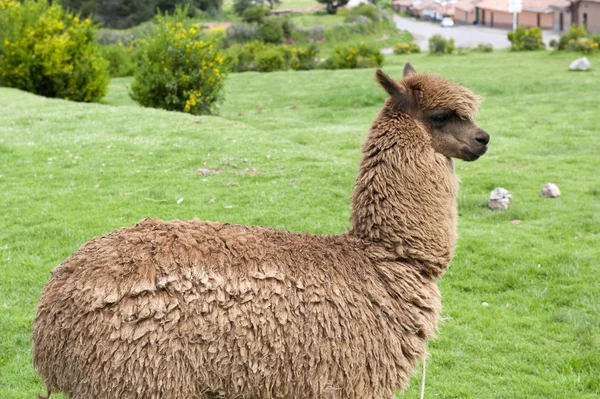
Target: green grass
<point>72,171</point>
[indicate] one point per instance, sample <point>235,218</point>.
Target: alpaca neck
<point>405,194</point>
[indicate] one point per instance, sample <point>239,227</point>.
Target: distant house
<point>465,12</point>
<point>557,15</point>
<point>587,13</point>
<point>546,14</point>
<point>402,5</point>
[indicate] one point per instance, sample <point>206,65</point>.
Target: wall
<point>464,17</point>
<point>527,18</point>
<point>593,15</point>
<point>566,20</point>
<point>530,19</point>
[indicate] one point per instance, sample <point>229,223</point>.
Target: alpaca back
<point>196,309</point>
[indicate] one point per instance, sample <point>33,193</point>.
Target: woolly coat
<point>200,310</point>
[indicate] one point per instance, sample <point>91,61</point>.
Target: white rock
<point>580,64</point>
<point>499,204</point>
<point>485,304</point>
<point>550,190</point>
<point>500,193</point>
<point>499,198</point>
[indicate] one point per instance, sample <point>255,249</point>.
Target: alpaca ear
<point>397,91</point>
<point>409,70</point>
<point>391,86</point>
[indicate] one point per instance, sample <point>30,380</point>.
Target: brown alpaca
<point>203,310</point>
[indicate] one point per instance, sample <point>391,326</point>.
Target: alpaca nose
<point>482,137</point>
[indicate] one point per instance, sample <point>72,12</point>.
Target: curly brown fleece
<point>193,309</point>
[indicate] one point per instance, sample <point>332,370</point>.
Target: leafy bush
<point>271,31</point>
<point>524,39</point>
<point>121,59</point>
<point>270,60</point>
<point>124,36</point>
<point>255,14</point>
<point>50,52</point>
<point>485,47</point>
<point>241,33</point>
<point>178,70</point>
<point>304,59</point>
<point>584,44</point>
<point>288,27</point>
<point>240,6</point>
<point>243,58</point>
<point>440,45</point>
<point>595,37</point>
<point>574,33</point>
<point>258,56</point>
<point>364,10</point>
<point>407,48</point>
<point>346,57</point>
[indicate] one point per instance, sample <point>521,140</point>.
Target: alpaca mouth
<point>474,154</point>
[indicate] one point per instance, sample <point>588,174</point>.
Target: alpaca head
<point>445,109</point>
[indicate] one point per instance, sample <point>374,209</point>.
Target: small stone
<point>499,204</point>
<point>179,201</point>
<point>516,221</point>
<point>499,193</point>
<point>550,190</point>
<point>499,198</point>
<point>204,171</point>
<point>580,64</point>
<point>485,304</point>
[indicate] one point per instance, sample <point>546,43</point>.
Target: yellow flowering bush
<point>406,48</point>
<point>50,52</point>
<point>179,70</point>
<point>349,57</point>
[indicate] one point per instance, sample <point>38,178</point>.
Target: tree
<point>332,5</point>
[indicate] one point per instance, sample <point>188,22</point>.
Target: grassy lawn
<point>285,150</point>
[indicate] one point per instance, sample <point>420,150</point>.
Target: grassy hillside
<point>284,152</point>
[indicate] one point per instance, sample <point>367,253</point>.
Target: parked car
<point>447,22</point>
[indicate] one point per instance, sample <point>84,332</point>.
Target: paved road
<point>464,35</point>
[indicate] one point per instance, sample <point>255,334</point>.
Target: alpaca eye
<point>439,118</point>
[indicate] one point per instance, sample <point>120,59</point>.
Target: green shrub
<point>288,27</point>
<point>240,6</point>
<point>178,70</point>
<point>485,47</point>
<point>554,43</point>
<point>50,52</point>
<point>255,14</point>
<point>243,58</point>
<point>258,56</point>
<point>524,39</point>
<point>363,10</point>
<point>595,37</point>
<point>270,60</point>
<point>574,33</point>
<point>125,36</point>
<point>304,59</point>
<point>440,45</point>
<point>121,59</point>
<point>271,31</point>
<point>242,32</point>
<point>346,57</point>
<point>584,45</point>
<point>407,48</point>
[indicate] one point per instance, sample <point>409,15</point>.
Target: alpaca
<point>194,309</point>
